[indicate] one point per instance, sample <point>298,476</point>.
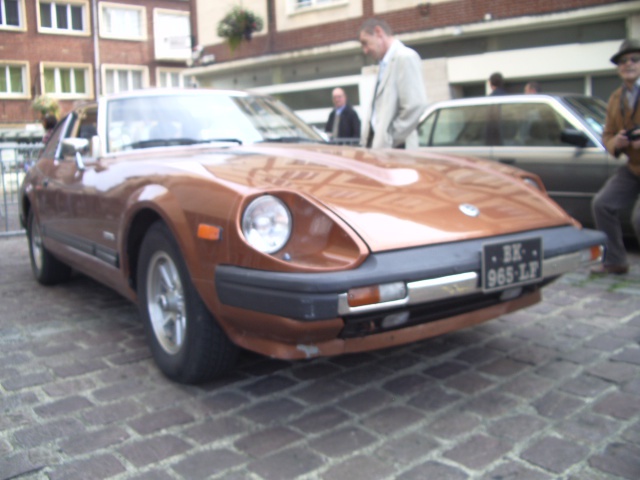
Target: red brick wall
<point>34,48</point>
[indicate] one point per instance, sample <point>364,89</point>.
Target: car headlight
<point>266,224</point>
<point>535,183</point>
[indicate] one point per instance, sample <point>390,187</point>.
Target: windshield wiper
<point>168,142</point>
<point>220,140</point>
<point>289,140</point>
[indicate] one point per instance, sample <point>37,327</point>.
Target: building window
<point>172,35</point>
<point>67,81</point>
<point>167,77</point>
<point>11,14</point>
<point>125,22</point>
<point>122,79</point>
<point>63,17</point>
<point>13,80</point>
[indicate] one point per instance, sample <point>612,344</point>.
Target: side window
<point>425,128</point>
<point>531,124</point>
<point>52,149</point>
<point>87,129</point>
<point>461,126</point>
<point>88,126</point>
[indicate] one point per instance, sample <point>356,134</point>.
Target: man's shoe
<point>610,269</point>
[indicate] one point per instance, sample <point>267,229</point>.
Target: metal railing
<point>15,160</point>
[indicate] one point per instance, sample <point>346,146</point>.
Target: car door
<point>51,206</point>
<point>531,138</point>
<point>459,130</point>
<point>81,220</point>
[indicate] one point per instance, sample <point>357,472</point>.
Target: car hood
<point>395,199</point>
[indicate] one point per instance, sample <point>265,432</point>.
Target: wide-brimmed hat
<point>628,46</point>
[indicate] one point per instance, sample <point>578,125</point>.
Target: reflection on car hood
<point>394,199</point>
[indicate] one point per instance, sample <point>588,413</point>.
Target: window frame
<point>86,67</point>
<point>26,85</point>
<point>106,67</point>
<point>526,116</point>
<point>457,121</point>
<point>54,30</point>
<point>102,21</point>
<point>179,54</point>
<point>298,6</point>
<point>160,71</point>
<point>22,17</point>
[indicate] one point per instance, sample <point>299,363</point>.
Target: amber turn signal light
<point>357,297</point>
<point>209,232</point>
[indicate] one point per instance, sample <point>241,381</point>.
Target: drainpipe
<point>96,50</point>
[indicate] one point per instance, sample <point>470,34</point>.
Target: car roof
<point>154,92</point>
<point>502,99</point>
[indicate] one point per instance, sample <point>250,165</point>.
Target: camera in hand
<point>632,135</point>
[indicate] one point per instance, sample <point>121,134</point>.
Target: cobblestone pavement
<point>552,392</point>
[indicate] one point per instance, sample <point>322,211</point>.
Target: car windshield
<point>185,119</point>
<point>592,110</point>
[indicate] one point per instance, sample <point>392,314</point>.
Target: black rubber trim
<point>314,296</point>
<point>104,254</point>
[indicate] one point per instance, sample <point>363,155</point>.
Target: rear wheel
<point>46,268</point>
<point>186,342</point>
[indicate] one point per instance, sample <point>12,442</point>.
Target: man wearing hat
<point>621,136</point>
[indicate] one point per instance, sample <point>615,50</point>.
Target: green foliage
<point>46,104</point>
<point>238,25</point>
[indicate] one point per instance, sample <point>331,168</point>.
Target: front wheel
<point>46,268</point>
<point>187,343</point>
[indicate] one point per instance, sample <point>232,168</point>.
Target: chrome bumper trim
<point>458,285</point>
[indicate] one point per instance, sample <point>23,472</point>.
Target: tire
<point>46,268</point>
<point>186,342</point>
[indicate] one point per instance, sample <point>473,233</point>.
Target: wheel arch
<point>138,226</point>
<point>25,208</point>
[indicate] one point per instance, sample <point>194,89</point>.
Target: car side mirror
<point>574,137</point>
<point>75,147</point>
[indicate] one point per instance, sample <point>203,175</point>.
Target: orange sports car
<point>233,225</point>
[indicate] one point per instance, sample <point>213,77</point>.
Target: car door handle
<point>508,161</point>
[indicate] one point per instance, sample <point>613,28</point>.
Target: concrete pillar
<point>633,26</point>
<point>436,79</point>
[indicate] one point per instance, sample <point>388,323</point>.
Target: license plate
<point>509,264</point>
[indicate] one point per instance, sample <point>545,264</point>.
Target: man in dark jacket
<point>496,84</point>
<point>344,123</point>
<point>621,137</point>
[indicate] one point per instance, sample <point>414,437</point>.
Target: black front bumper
<point>316,296</point>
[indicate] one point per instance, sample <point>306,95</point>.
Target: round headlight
<point>532,183</point>
<point>266,224</point>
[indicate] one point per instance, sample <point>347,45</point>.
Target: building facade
<point>75,50</point>
<point>308,47</point>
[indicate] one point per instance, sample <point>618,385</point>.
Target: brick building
<point>308,47</point>
<point>74,50</point>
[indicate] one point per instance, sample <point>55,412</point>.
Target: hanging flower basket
<point>46,105</point>
<point>238,25</point>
